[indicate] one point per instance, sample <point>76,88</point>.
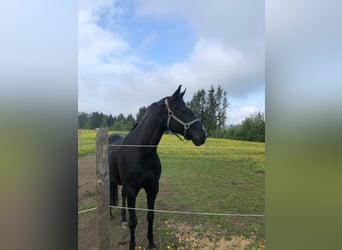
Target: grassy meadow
<point>221,176</point>
<point>86,141</point>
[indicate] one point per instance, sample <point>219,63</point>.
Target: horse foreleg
<point>131,197</point>
<point>151,197</point>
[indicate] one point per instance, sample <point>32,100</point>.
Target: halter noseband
<point>186,125</point>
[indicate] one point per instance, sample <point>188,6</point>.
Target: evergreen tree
<point>94,120</point>
<point>221,108</point>
<point>102,120</point>
<point>223,111</point>
<point>210,113</point>
<point>82,120</point>
<point>211,108</point>
<point>198,105</point>
<point>110,121</point>
<point>130,121</point>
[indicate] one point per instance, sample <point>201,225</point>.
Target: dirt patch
<point>260,173</point>
<point>189,237</point>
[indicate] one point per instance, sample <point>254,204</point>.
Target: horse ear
<point>176,94</point>
<point>182,94</point>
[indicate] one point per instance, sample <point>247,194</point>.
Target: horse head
<point>182,120</point>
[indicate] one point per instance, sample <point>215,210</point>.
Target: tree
<point>253,128</point>
<point>96,120</point>
<point>119,123</point>
<point>130,121</point>
<point>210,112</point>
<point>222,108</point>
<point>103,120</point>
<point>82,119</point>
<point>110,121</point>
<point>234,132</point>
<point>211,108</point>
<point>198,104</point>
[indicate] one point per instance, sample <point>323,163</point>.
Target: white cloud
<point>230,48</point>
<point>106,67</point>
<point>240,108</point>
<point>237,113</point>
<point>212,63</point>
<point>96,42</point>
<point>113,79</point>
<point>238,23</point>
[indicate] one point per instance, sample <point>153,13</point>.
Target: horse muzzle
<point>200,138</point>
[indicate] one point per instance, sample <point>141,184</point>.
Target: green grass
<point>215,180</point>
<point>87,142</point>
<point>221,176</point>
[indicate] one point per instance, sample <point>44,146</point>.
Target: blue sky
<point>132,53</point>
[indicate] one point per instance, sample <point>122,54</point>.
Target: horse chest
<point>140,170</point>
<point>148,173</point>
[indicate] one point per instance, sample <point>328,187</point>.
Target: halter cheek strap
<point>186,125</point>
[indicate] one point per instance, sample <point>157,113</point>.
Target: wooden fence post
<point>102,188</point>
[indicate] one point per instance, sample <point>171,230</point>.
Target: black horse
<point>136,167</point>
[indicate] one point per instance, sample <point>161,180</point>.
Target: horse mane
<point>148,111</point>
<point>134,126</point>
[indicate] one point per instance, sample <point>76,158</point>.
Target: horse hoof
<point>124,224</point>
<point>152,246</point>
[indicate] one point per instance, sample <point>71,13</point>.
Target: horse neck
<point>150,129</point>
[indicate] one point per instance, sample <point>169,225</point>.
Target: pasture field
<point>222,176</point>
<point>86,141</point>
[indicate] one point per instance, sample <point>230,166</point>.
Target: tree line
<point>97,120</point>
<point>252,128</point>
<point>210,106</point>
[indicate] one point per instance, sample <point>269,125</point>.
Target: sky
<point>133,53</point>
